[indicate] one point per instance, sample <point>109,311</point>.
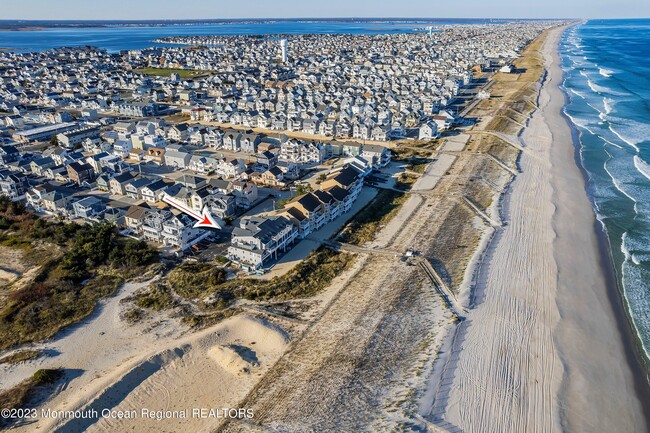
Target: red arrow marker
<point>204,219</point>
<point>207,220</point>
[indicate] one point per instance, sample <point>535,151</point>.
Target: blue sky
<point>186,9</point>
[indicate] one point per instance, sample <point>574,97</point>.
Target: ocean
<point>607,83</point>
<point>120,37</point>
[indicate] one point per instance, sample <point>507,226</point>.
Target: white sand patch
<point>212,368</point>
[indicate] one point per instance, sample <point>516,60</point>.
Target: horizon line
<point>393,18</point>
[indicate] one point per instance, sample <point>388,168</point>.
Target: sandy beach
<point>543,350</point>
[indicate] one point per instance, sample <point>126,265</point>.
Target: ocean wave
<point>579,122</point>
<point>594,107</point>
<point>577,93</point>
<point>597,88</point>
<point>628,183</point>
<point>587,123</point>
<point>625,249</point>
<point>576,60</point>
<point>605,72</point>
<point>623,139</point>
<point>618,184</point>
<point>618,146</point>
<point>642,166</point>
<point>610,110</point>
<point>602,89</point>
<point>608,104</point>
<point>629,131</point>
<point>635,289</point>
<point>603,117</point>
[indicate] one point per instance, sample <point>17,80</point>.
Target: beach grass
<point>20,356</point>
<point>364,225</point>
<point>22,395</point>
<point>203,295</point>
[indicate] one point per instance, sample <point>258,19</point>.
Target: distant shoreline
<point>22,29</point>
<point>39,25</point>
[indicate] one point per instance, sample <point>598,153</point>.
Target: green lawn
<point>166,72</point>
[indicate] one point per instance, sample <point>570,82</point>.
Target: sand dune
<point>211,369</point>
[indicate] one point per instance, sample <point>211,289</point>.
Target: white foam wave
<point>601,89</point>
<point>596,88</point>
<point>610,143</point>
<point>608,104</point>
<point>626,251</point>
<point>623,139</point>
<point>579,122</point>
<point>575,92</point>
<point>642,166</point>
<point>635,290</point>
<point>576,61</point>
<point>617,184</point>
<point>605,72</point>
<point>602,116</point>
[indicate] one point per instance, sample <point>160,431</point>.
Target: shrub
<point>46,376</point>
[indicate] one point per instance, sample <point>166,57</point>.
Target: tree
<point>54,141</point>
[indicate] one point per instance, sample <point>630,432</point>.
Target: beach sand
<point>543,350</point>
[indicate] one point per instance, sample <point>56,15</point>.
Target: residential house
<point>8,154</point>
<point>134,218</point>
<point>258,240</point>
<point>80,172</point>
<point>307,212</point>
<point>133,189</point>
<point>348,179</point>
<point>88,207</point>
<point>177,156</point>
<point>232,140</point>
<point>245,193</point>
<point>154,191</point>
<point>378,156</point>
<point>178,231</point>
<point>178,132</point>
<point>56,202</point>
<point>103,182</point>
<point>267,159</point>
<point>117,184</point>
<point>249,142</point>
<point>13,185</point>
<point>192,182</point>
<point>155,154</point>
<point>271,177</point>
<point>229,169</point>
<point>39,165</point>
<point>427,131</point>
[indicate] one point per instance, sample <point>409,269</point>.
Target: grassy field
<point>166,72</point>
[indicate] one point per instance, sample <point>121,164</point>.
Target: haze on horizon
<point>215,9</point>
